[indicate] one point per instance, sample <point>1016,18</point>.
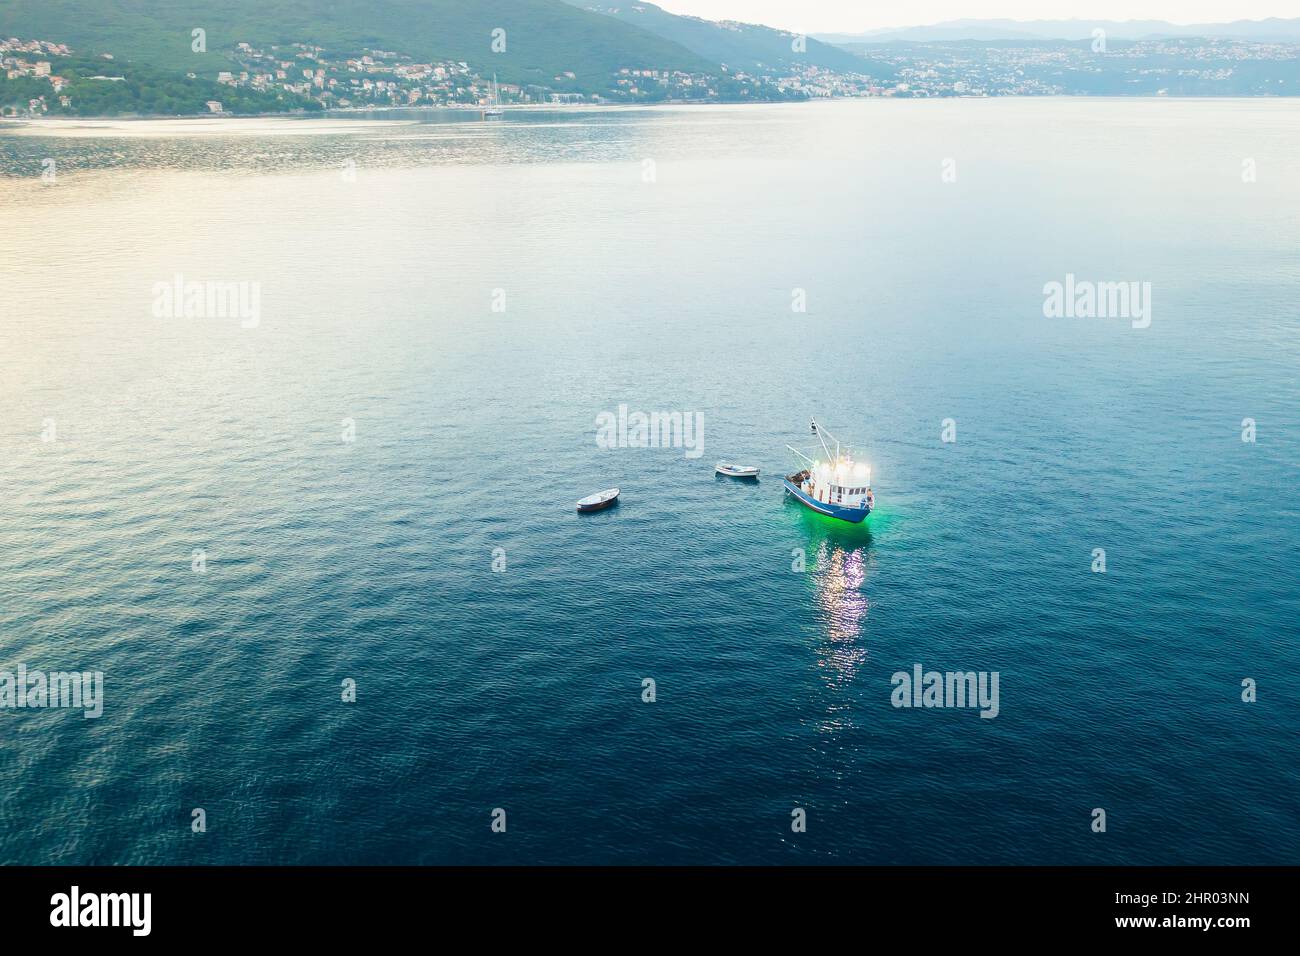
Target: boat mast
<point>817,429</point>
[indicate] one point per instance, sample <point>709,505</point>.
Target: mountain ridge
<point>1269,28</point>
<point>750,47</point>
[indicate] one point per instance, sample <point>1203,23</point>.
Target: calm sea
<point>443,308</point>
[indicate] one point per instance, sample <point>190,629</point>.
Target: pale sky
<point>851,16</point>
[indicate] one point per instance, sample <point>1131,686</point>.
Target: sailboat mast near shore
<point>494,101</point>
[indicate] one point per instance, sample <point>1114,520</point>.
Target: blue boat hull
<point>854,515</point>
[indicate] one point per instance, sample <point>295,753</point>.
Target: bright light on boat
<point>837,486</point>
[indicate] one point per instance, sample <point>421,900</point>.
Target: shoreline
<point>351,112</point>
<point>376,115</point>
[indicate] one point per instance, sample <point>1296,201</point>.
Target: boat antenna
<point>818,432</point>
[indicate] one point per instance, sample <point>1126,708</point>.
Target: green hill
<point>141,91</point>
<point>741,46</point>
<point>543,38</point>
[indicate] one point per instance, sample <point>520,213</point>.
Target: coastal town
<point>40,77</point>
<point>382,78</point>
<point>34,59</point>
<point>1156,66</point>
<point>311,78</point>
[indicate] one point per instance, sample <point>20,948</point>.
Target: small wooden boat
<point>599,501</point>
<point>736,471</point>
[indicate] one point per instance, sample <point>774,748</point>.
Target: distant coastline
<point>470,114</point>
<point>135,66</point>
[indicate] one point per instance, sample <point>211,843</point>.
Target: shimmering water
<point>380,249</point>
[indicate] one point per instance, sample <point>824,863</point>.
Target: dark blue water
<point>371,560</point>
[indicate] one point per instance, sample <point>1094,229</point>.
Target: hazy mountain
<point>740,46</point>
<point>1266,30</point>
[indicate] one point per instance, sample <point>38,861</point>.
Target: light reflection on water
<point>839,571</point>
<point>840,576</point>
<point>381,139</point>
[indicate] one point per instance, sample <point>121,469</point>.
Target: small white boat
<point>598,501</point>
<point>736,471</point>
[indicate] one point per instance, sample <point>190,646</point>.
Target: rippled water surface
<point>649,258</point>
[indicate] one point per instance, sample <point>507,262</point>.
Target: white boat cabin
<point>844,483</point>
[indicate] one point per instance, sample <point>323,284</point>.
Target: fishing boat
<point>599,501</point>
<point>834,485</point>
<point>736,471</point>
